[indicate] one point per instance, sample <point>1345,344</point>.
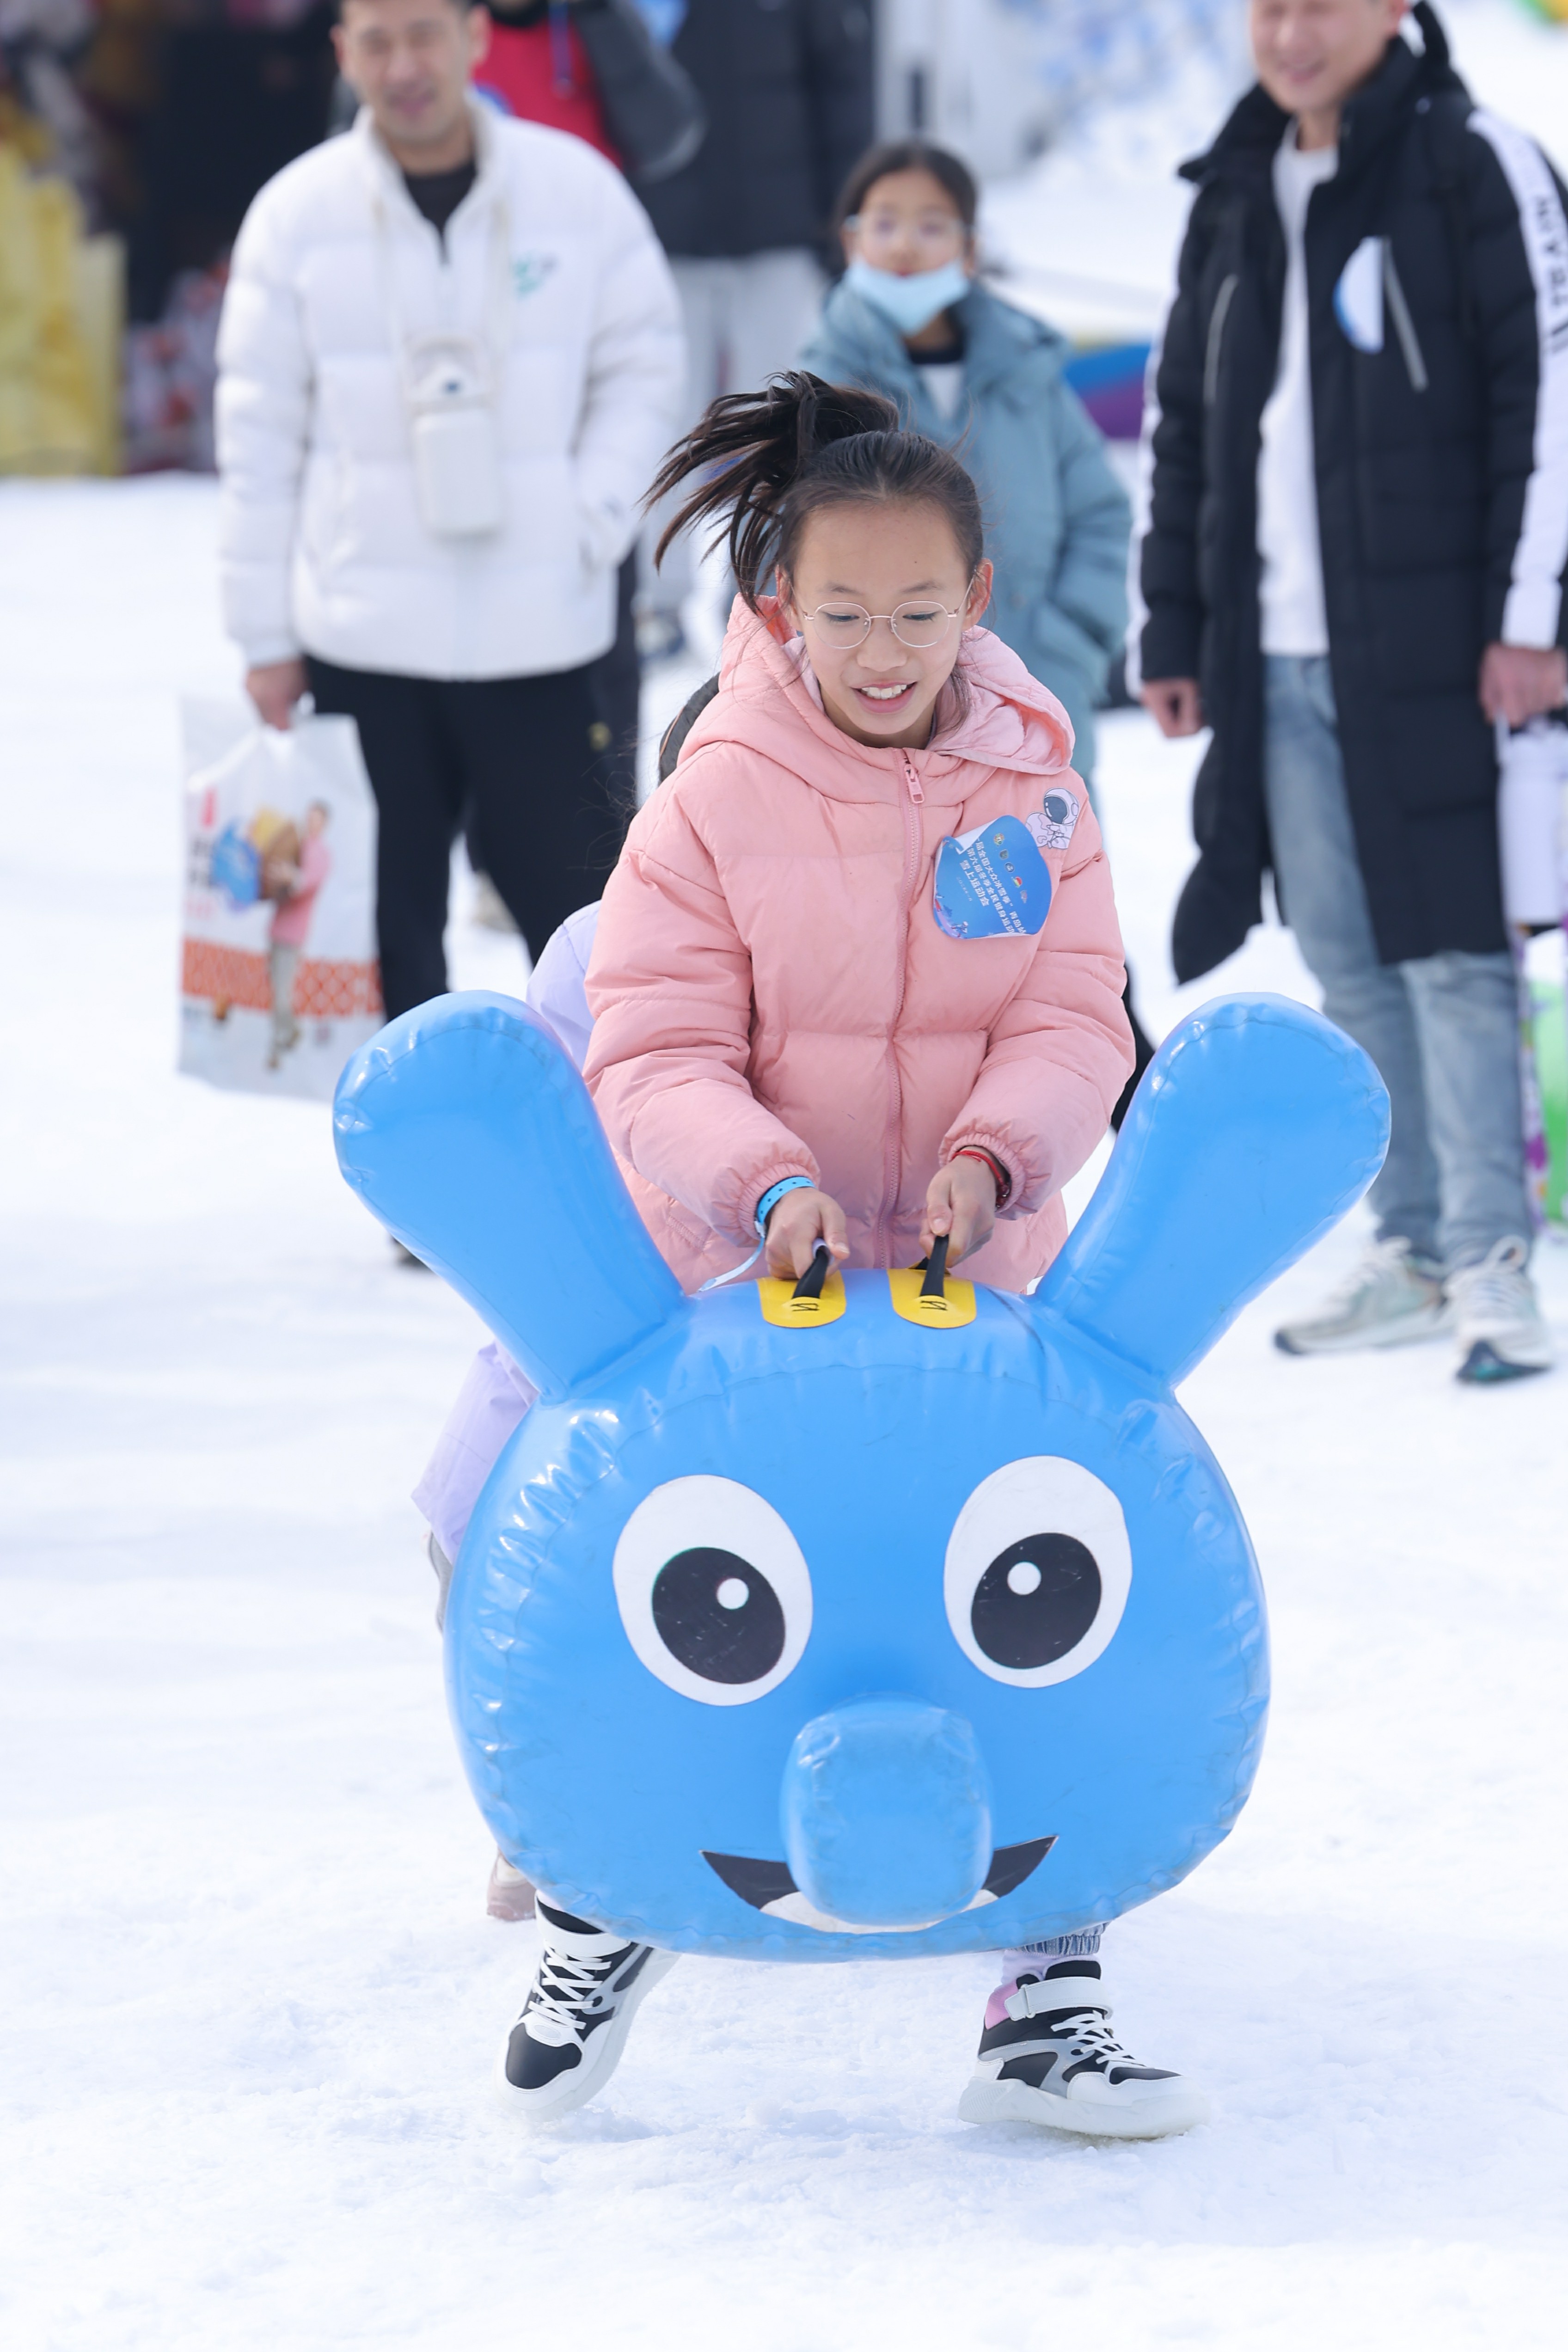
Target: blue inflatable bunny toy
<point>888,1616</point>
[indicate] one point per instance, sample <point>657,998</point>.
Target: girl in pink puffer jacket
<point>856,983</point>
<point>864,944</point>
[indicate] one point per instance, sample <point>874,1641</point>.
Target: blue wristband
<point>773,1195</point>
<point>766,1206</point>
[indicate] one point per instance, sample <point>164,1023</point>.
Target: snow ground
<point>250,1997</point>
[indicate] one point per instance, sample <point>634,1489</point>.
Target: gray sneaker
<point>1390,1297</point>
<point>1502,1334</point>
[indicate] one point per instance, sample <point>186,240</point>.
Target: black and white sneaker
<point>1048,2056</point>
<point>568,2042</point>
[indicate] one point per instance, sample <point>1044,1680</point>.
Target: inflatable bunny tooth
<point>881,1637</point>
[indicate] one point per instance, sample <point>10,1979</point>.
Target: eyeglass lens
<point>915,626</point>
<point>935,232</point>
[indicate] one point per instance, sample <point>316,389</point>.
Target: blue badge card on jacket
<point>991,883</point>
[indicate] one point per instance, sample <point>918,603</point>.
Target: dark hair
<point>769,459</point>
<point>910,155</point>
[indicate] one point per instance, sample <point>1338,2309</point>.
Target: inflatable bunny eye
<point>1038,1567</point>
<point>713,1591</point>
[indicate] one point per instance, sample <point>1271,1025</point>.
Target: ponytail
<point>769,459</point>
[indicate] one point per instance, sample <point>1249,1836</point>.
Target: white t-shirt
<point>1290,591</point>
<point>943,379</point>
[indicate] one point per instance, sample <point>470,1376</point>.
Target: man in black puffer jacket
<point>786,86</point>
<point>1353,565</point>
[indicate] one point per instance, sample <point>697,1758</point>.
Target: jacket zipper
<point>909,808</point>
<point>1217,317</point>
<point>1403,324</point>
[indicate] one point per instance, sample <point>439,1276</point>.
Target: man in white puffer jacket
<point>450,360</point>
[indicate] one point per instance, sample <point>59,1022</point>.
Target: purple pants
<point>491,1403</point>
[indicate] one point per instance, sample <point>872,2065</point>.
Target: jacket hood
<point>997,339</point>
<point>764,704</point>
<point>1257,125</point>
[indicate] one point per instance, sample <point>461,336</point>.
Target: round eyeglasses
<point>919,625</point>
<point>933,231</point>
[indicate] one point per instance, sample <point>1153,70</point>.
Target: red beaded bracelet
<point>999,1176</point>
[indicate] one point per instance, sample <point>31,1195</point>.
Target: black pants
<point>523,756</point>
<point>618,676</point>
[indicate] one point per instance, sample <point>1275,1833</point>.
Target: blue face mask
<point>910,303</point>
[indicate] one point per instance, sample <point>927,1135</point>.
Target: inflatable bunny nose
<point>885,1812</point>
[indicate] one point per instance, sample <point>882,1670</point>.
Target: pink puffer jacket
<point>771,995</point>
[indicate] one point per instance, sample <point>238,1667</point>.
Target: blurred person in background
<point>910,319</point>
<point>593,67</point>
<point>1353,567</point>
<point>786,86</point>
<point>450,361</point>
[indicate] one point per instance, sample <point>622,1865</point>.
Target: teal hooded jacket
<point>1056,519</point>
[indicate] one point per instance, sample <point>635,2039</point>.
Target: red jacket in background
<point>540,73</point>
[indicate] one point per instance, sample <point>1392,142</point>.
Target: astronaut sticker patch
<point>993,882</point>
<point>1053,824</point>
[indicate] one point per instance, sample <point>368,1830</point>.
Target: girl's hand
<point>796,1223</point>
<point>961,1201</point>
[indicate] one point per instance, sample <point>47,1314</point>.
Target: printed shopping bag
<point>278,981</point>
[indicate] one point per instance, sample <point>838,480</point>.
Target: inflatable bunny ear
<point>465,1128</point>
<point>1257,1126</point>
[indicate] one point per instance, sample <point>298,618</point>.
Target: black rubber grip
<point>936,1270</point>
<point>817,1273</point>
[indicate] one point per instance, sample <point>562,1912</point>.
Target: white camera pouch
<point>1532,821</point>
<point>457,448</point>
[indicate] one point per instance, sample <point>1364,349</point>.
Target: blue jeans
<point>1443,1030</point>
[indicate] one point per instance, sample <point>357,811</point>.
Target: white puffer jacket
<point>322,548</point>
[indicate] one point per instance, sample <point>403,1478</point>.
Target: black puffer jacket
<point>786,86</point>
<point>1442,472</point>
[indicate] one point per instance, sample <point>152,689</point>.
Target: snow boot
<point>1048,2056</point>
<point>1502,1336</point>
<point>568,2041</point>
<point>1392,1296</point>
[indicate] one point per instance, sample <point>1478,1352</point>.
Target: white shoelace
<point>1093,2039</point>
<point>1087,2030</point>
<point>1498,1289</point>
<point>566,1992</point>
<point>1381,1260</point>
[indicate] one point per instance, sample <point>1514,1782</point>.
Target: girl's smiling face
<point>882,556</point>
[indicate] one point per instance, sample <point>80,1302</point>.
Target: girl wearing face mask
<point>910,319</point>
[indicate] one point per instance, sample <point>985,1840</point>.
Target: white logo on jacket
<point>529,272</point>
<point>1358,297</point>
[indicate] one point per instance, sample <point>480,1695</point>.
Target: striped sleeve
<point>1142,512</point>
<point>1530,437</point>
